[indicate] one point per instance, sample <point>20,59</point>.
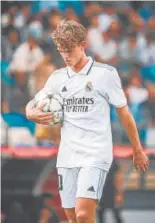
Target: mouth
<point>67,61</point>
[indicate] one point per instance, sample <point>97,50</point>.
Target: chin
<point>68,62</point>
<point>71,64</point>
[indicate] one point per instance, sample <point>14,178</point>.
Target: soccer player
<point>85,151</point>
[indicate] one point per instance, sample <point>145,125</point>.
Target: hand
<point>37,115</point>
<point>141,161</point>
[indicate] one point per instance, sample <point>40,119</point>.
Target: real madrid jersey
<point>86,138</point>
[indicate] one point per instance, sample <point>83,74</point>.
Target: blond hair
<point>68,34</point>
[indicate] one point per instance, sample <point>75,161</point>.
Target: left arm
<point>140,159</point>
<point>115,96</point>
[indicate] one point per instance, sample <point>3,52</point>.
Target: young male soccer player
<point>85,151</point>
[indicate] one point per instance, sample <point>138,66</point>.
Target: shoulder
<point>38,50</point>
<point>23,46</point>
<point>103,66</point>
<point>21,50</point>
<point>58,74</point>
<point>106,73</point>
<point>104,70</point>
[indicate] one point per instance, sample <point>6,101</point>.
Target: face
<point>26,11</point>
<point>94,21</point>
<point>132,41</point>
<point>13,37</point>
<point>136,81</point>
<point>72,57</point>
<point>106,36</point>
<point>54,20</point>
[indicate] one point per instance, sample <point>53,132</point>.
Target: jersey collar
<point>84,71</point>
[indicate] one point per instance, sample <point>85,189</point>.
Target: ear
<point>84,44</point>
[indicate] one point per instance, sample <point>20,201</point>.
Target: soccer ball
<point>53,103</point>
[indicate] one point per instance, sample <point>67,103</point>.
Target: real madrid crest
<point>89,86</point>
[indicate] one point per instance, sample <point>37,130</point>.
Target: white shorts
<point>86,182</point>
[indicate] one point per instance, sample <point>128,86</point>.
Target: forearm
<point>129,125</point>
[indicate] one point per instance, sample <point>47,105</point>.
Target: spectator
<point>44,6</point>
<point>92,8</point>
<point>10,44</point>
<point>107,17</point>
<point>94,33</point>
<point>8,23</point>
<point>110,47</point>
<point>22,17</point>
<point>25,60</point>
<point>128,49</point>
<point>151,101</point>
<point>71,15</point>
<point>77,6</point>
<point>136,92</point>
<point>115,29</point>
<point>141,114</point>
<point>112,197</point>
<point>137,97</point>
<point>43,71</point>
<point>105,21</point>
<point>136,21</point>
<point>147,53</point>
<point>43,134</point>
<point>28,54</point>
<point>151,23</point>
<point>54,17</point>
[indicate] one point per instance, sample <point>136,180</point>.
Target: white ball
<point>53,103</point>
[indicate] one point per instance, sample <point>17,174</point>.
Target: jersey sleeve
<point>114,90</point>
<point>50,84</point>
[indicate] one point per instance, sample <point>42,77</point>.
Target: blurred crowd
<point>121,34</point>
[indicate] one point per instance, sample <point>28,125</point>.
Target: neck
<point>83,61</point>
<point>32,44</point>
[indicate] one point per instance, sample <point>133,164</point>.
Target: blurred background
<point>121,34</point>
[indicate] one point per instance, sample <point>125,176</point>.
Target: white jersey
<point>86,138</point>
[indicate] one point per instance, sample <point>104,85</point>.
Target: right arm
<point>37,115</point>
<point>44,118</point>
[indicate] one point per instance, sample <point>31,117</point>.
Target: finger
<point>137,167</point>
<point>146,166</point>
<point>143,169</point>
<point>45,122</point>
<point>46,119</point>
<point>148,162</point>
<point>45,114</point>
<point>40,107</point>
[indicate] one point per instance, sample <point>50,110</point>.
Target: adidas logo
<point>91,189</point>
<point>64,89</point>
